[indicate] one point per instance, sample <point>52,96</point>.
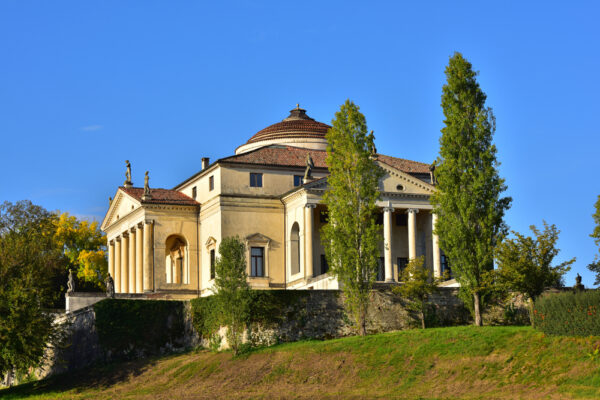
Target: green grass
<point>440,363</point>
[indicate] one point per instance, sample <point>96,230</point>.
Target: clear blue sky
<point>85,85</point>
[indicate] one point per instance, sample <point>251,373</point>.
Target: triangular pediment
<point>121,206</point>
<point>396,181</point>
<point>211,241</point>
<point>257,238</point>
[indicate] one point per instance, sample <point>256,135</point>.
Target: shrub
<point>127,328</point>
<point>569,313</point>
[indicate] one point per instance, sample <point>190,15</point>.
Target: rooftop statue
<point>146,195</point>
<point>128,182</point>
<point>309,166</point>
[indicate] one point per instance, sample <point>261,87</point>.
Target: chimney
<point>205,162</point>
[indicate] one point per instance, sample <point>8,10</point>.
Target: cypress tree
<point>351,238</point>
<point>468,201</point>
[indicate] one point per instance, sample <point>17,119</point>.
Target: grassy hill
<point>461,362</point>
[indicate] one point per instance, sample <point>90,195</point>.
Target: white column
<point>111,258</point>
<point>387,242</point>
<point>131,263</point>
<point>117,276</point>
<point>139,258</point>
<point>437,265</point>
<point>125,263</point>
<point>412,233</point>
<point>148,256</point>
<point>308,239</point>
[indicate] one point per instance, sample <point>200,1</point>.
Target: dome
<point>298,129</point>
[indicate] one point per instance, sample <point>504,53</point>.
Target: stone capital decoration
<point>389,207</point>
<point>149,221</point>
<point>132,229</point>
<point>412,210</point>
<point>140,225</point>
<point>310,205</point>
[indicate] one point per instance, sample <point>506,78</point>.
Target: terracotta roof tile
<point>161,196</point>
<point>289,156</point>
<point>291,129</point>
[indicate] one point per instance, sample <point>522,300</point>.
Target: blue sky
<point>86,85</point>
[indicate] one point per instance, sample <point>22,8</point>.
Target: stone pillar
<point>117,276</point>
<point>125,263</point>
<point>111,258</point>
<point>437,265</point>
<point>148,256</point>
<point>387,242</point>
<point>131,263</point>
<point>139,259</point>
<point>412,233</point>
<point>308,239</point>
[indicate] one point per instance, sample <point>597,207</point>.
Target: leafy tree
<point>595,266</point>
<point>29,258</point>
<point>351,237</point>
<point>468,201</point>
<point>525,263</point>
<point>419,284</point>
<point>84,245</point>
<point>232,293</point>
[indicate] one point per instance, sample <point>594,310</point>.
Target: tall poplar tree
<point>351,237</point>
<point>467,200</point>
<point>595,266</point>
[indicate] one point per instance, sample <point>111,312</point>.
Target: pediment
<point>396,181</point>
<point>257,238</point>
<point>121,206</point>
<point>211,241</point>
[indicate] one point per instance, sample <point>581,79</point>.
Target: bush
<point>128,328</point>
<point>572,314</point>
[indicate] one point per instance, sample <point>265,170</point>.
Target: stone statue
<point>578,285</point>
<point>71,282</point>
<point>109,201</point>
<point>128,174</point>
<point>373,149</point>
<point>432,173</point>
<point>146,184</point>
<point>146,195</point>
<point>110,287</point>
<point>309,166</point>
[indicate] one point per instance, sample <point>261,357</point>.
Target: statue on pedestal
<point>146,195</point>
<point>128,182</point>
<point>110,287</point>
<point>578,285</point>
<point>71,282</point>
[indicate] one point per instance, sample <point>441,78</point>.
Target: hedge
<point>569,313</point>
<point>131,327</point>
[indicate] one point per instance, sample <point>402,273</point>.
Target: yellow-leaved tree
<point>84,244</point>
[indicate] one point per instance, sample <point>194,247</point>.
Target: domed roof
<point>297,125</point>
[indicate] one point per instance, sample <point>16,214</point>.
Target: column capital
<point>310,205</point>
<point>111,242</point>
<point>149,221</point>
<point>140,225</point>
<point>125,235</point>
<point>132,229</point>
<point>412,210</point>
<point>388,209</point>
<point>117,239</point>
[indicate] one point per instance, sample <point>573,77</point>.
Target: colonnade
<point>131,259</point>
<point>387,238</point>
<point>412,241</point>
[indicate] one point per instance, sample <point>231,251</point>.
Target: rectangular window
<point>402,261</point>
<point>257,261</point>
<point>401,219</point>
<point>211,183</point>
<point>298,180</point>
<point>255,179</point>
<point>324,266</point>
<point>445,264</point>
<point>212,264</point>
<point>194,193</point>
<point>381,269</point>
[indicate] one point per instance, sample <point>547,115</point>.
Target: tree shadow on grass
<point>98,377</point>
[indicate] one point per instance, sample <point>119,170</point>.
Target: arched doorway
<point>176,260</point>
